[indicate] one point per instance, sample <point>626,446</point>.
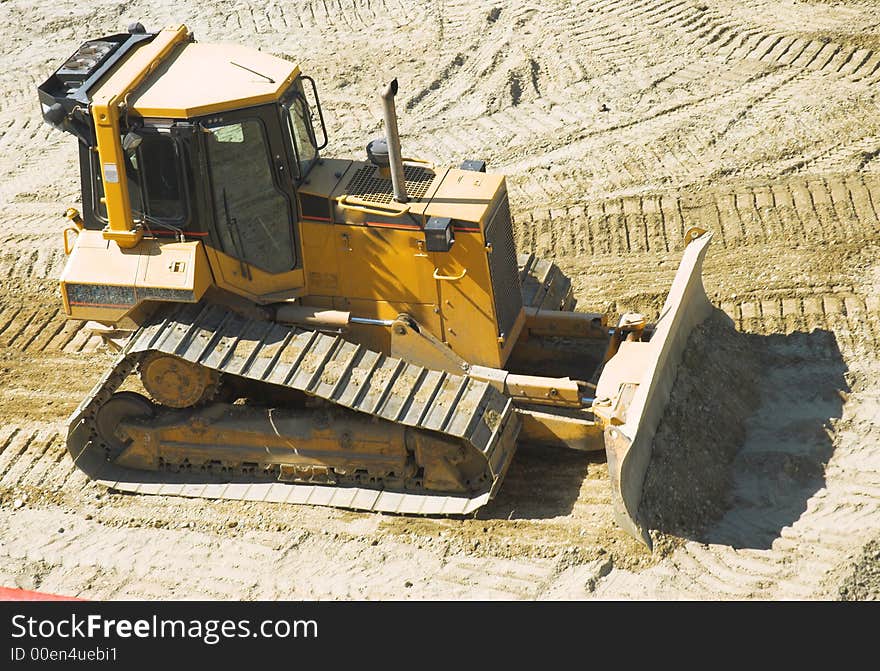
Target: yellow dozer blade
<point>634,387</point>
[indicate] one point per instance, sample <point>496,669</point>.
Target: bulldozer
<point>305,329</point>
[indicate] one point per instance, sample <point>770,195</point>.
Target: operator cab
<point>214,144</point>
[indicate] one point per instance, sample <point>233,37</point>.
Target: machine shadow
<point>745,443</point>
<point>543,482</point>
<point>739,453</point>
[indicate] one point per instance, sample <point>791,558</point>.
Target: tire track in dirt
<point>134,568</point>
<point>557,106</point>
<point>812,16</point>
<point>854,319</point>
<point>723,138</point>
<point>129,567</point>
<point>26,329</point>
<point>848,156</point>
<point>800,210</point>
<point>18,139</point>
<point>33,249</point>
<point>731,39</point>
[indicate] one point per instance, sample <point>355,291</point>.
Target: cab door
<point>253,246</point>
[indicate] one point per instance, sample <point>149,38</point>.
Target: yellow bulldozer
<point>352,333</point>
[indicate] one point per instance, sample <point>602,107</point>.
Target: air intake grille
<point>366,184</point>
<point>503,268</point>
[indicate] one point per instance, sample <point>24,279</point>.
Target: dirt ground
<point>619,123</point>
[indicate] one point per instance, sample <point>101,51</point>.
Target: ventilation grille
<point>503,268</point>
<point>367,185</point>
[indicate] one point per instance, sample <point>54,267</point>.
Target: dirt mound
<point>717,387</point>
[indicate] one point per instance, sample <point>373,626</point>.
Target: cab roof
<point>199,79</point>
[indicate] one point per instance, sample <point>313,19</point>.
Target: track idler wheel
<point>175,382</point>
<point>121,406</point>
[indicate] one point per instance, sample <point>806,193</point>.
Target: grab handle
<point>343,203</point>
<point>448,278</point>
<point>68,247</point>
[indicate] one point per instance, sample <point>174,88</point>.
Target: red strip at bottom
<point>12,594</point>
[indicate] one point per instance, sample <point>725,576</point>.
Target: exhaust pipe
<point>398,182</point>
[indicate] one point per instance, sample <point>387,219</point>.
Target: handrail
<point>320,112</point>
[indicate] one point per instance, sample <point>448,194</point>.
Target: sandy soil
<point>620,124</point>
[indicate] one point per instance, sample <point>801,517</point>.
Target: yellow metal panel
<point>104,315</point>
<point>321,243</point>
<point>325,177</point>
<point>548,428</point>
<point>90,238</point>
<point>466,304</point>
<point>106,264</point>
<point>201,79</point>
<point>177,265</point>
<point>385,264</point>
<point>373,265</point>
<point>151,264</point>
<point>465,195</point>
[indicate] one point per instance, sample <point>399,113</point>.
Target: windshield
<point>299,126</point>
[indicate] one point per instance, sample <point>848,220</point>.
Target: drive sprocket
<point>175,382</point>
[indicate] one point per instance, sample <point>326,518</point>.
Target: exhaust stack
<point>398,182</point>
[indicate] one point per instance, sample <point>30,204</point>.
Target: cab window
<point>299,126</point>
<point>155,185</point>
